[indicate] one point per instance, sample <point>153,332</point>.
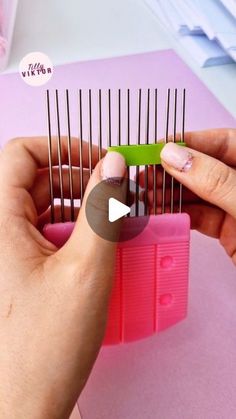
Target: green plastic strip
<point>142,154</point>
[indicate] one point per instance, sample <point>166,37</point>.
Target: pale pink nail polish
<point>177,156</point>
<point>113,167</point>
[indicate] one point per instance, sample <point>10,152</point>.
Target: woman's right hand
<point>207,169</point>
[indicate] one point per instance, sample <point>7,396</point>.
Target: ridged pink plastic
<point>150,290</point>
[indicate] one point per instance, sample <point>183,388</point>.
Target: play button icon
<point>116,210</point>
<point>106,208</point>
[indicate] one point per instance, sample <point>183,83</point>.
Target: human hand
<point>53,305</point>
<point>207,169</point>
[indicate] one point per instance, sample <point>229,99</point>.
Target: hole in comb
<point>167,262</point>
<point>166,299</point>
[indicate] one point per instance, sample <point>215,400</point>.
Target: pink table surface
<point>188,371</point>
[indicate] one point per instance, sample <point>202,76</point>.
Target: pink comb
<point>150,290</point>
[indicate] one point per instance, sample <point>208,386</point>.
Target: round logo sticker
<point>36,69</point>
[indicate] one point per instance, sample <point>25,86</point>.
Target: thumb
<point>94,238</point>
<point>206,176</point>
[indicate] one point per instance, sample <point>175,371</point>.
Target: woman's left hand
<point>53,305</point>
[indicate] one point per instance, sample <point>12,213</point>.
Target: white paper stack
<point>206,28</point>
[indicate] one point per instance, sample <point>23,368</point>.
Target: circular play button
<point>111,208</point>
<point>116,210</point>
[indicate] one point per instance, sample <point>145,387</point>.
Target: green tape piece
<point>141,154</point>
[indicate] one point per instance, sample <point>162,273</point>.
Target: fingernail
<point>177,156</point>
<point>113,167</point>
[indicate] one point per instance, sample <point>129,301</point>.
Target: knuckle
<point>90,276</point>
<point>217,182</point>
<point>73,270</point>
<point>86,277</point>
<point>12,144</point>
<point>231,133</point>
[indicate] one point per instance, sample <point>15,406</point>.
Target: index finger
<point>218,143</point>
<point>22,157</point>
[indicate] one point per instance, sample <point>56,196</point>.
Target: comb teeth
<point>81,146</point>
<point>50,163</point>
<point>128,117</point>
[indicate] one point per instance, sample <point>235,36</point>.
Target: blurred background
<point>78,30</point>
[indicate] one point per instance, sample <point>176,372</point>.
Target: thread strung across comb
<point>133,119</point>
